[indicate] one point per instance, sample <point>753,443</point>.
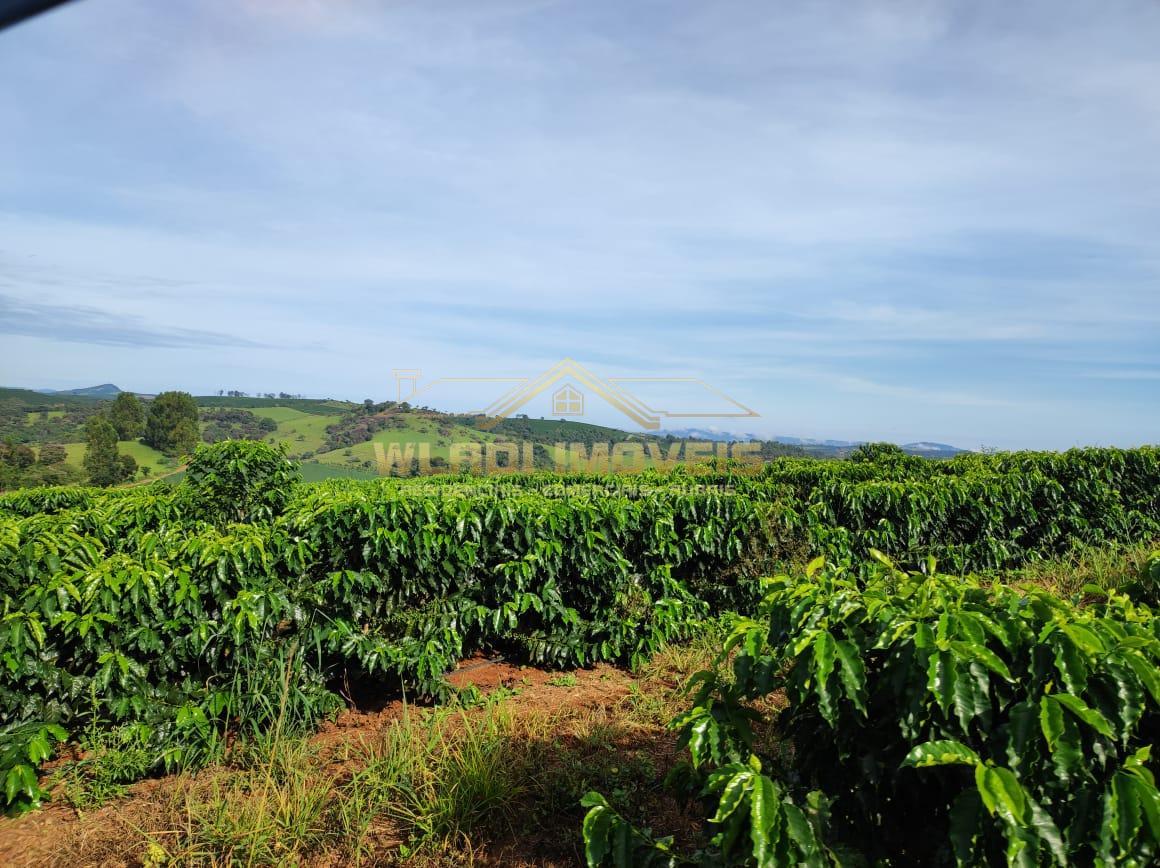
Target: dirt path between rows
<point>56,834</point>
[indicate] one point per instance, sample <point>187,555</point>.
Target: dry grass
<point>497,783</point>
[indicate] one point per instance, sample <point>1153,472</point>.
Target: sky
<point>889,220</point>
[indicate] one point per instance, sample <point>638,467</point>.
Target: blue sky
<point>900,220</point>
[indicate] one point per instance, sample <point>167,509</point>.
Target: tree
<point>885,455</point>
<point>172,424</point>
<point>21,456</point>
<point>128,466</point>
<point>128,416</point>
<point>101,460</point>
<point>53,474</point>
<point>53,453</point>
<point>185,437</point>
<point>877,453</point>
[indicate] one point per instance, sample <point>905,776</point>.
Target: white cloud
<point>933,204</point>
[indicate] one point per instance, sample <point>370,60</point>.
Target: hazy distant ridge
<point>105,390</point>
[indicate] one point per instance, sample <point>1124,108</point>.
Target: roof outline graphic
<point>611,389</point>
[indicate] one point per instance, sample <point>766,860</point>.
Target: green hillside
<point>330,437</point>
<point>409,428</point>
<point>549,431</point>
<point>29,399</point>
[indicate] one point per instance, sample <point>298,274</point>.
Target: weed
<point>472,697</point>
<point>110,760</point>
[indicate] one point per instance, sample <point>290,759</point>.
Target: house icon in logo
<point>567,401</point>
<point>567,377</point>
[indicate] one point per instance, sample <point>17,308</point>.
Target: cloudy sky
<point>890,219</point>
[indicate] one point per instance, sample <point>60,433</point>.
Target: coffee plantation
<point>1016,725</point>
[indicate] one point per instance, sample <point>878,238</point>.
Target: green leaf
<point>800,830</point>
<point>825,655</point>
<point>970,695</point>
<point>621,844</point>
<point>1051,720</point>
<point>1128,810</point>
<point>966,812</point>
<point>12,784</point>
<point>764,817</point>
<point>1067,758</point>
<point>1147,672</point>
<point>941,679</point>
<point>1085,639</point>
<point>1149,800</point>
<point>1047,832</point>
<point>852,673</point>
<point>983,655</point>
<point>1001,794</point>
<point>1070,664</point>
<point>597,823</point>
<point>1088,715</point>
<point>592,799</point>
<point>1024,718</point>
<point>941,753</point>
<point>732,795</point>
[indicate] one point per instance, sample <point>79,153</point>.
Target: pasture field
<point>313,471</point>
<point>320,406</point>
<point>302,429</point>
<point>376,670</point>
<point>142,454</point>
<point>32,415</point>
<point>300,432</point>
<point>416,430</point>
<point>280,414</point>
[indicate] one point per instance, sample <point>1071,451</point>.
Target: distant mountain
<point>831,448</point>
<point>105,390</point>
<point>931,450</point>
<point>710,434</point>
<point>809,441</point>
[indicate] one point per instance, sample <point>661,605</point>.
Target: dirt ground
<point>57,834</point>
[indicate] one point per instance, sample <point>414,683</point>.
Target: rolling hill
<point>333,437</point>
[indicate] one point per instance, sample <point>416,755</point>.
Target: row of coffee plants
<point>242,596</point>
<point>931,720</point>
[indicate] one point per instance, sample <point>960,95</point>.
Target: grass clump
<point>1108,567</point>
<point>441,776</point>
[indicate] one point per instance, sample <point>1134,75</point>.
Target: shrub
<point>53,453</point>
<point>241,480</point>
<point>1146,589</point>
<point>945,720</point>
